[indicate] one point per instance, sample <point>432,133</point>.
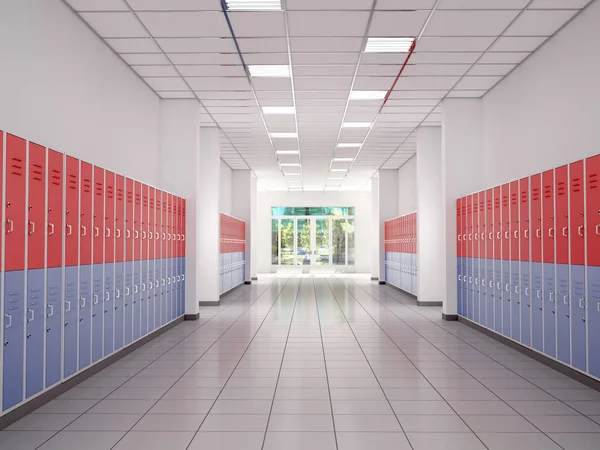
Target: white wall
<point>61,86</point>
<point>407,187</point>
<point>225,189</point>
<point>546,112</point>
<point>360,200</point>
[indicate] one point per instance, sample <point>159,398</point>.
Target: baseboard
<point>217,303</point>
<point>374,278</point>
<point>414,297</point>
<point>247,282</point>
<point>224,294</point>
<point>450,317</point>
<point>192,316</point>
<point>382,283</point>
<point>39,401</point>
<point>254,278</point>
<point>546,360</point>
<point>438,304</point>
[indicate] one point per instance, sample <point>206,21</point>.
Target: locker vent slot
<point>87,185</point>
<point>535,194</point>
<point>547,191</point>
<point>593,182</point>
<point>16,167</point>
<point>37,173</point>
<point>561,189</point>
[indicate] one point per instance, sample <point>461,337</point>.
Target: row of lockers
<point>232,258</point>
<point>401,253</point>
<point>91,262</point>
<point>529,262</point>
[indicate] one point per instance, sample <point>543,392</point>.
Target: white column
<point>431,214</point>
<point>388,209</point>
<point>254,229</point>
<point>243,207</point>
<point>208,182</point>
<point>375,228</point>
<point>462,174</point>
<point>179,163</point>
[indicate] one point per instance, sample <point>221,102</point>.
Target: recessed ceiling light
<point>284,135</point>
<point>253,5</point>
<point>339,170</point>
<point>279,110</point>
<point>349,145</point>
<point>288,152</point>
<point>289,164</point>
<point>389,45</point>
<point>269,71</point>
<point>367,95</point>
<point>332,188</point>
<point>335,178</point>
<point>292,174</point>
<point>295,189</point>
<point>343,159</point>
<point>356,125</point>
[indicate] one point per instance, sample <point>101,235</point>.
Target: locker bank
<point>299,224</point>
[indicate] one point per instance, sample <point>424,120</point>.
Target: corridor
<point>318,363</point>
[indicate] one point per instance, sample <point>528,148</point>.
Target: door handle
<point>137,234</point>
<point>128,234</point>
<point>127,290</point>
<point>539,294</point>
<point>491,284</point>
<point>83,302</point>
<point>156,235</point>
<point>517,290</point>
<point>182,277</point>
<point>491,235</point>
<point>527,291</point>
<point>143,287</point>
<point>566,299</point>
<point>136,289</point>
<point>157,283</point>
<point>551,232</point>
<point>516,234</point>
<point>164,237</point>
<point>150,235</point>
<point>95,299</point>
<point>526,233</point>
<point>476,236</point>
<point>69,230</point>
<point>51,225</point>
<point>506,235</point>
<point>32,312</point>
<point>551,297</point>
<point>118,231</point>
<point>51,310</point>
<point>598,229</point>
<point>32,227</point>
<point>96,232</point>
<point>498,235</point>
<point>108,232</point>
<point>83,230</point>
<point>507,287</point>
<point>580,229</point>
<point>565,231</point>
<point>143,235</point>
<point>118,293</point>
<point>581,303</point>
<point>107,297</point>
<point>68,304</point>
<point>498,286</point>
<point>9,324</point>
<point>163,282</point>
<point>11,225</point>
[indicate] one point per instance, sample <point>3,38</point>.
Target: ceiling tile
<point>145,59</point>
<point>258,23</point>
<point>425,83</point>
<point>491,69</point>
<point>325,58</point>
<point>503,57</point>
<point>98,5</point>
<point>322,83</point>
<point>483,4</point>
<point>444,58</point>
<point>327,23</point>
<point>469,23</point>
<point>405,4</point>
<point>540,23</point>
<point>175,5</point>
<point>435,69</point>
<point>266,58</point>
<point>559,4</point>
<point>115,24</point>
<point>211,71</point>
<point>517,44</point>
<point>327,45</point>
<point>133,45</point>
<point>185,24</point>
<point>176,94</point>
<point>272,84</point>
<point>218,83</point>
<point>314,71</point>
<point>166,83</point>
<point>397,23</point>
<point>477,83</point>
<point>204,58</point>
<point>466,94</point>
<point>373,83</point>
<point>156,71</point>
<point>263,45</point>
<point>197,45</point>
<point>454,44</point>
<point>293,5</point>
<point>379,70</point>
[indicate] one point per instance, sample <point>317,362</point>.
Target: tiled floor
<point>318,364</point>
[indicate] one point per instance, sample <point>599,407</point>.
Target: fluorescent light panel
<point>367,95</point>
<point>279,110</point>
<point>356,125</point>
<point>269,71</point>
<point>289,164</point>
<point>335,178</point>
<point>389,45</point>
<point>292,174</point>
<point>357,145</point>
<point>253,5</point>
<point>288,152</point>
<point>343,159</point>
<point>339,170</point>
<point>284,135</point>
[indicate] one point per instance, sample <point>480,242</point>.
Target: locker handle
<point>127,290</point>
<point>565,231</point>
<point>507,287</point>
<point>173,236</point>
<point>476,236</point>
<point>169,237</point>
<point>29,310</point>
<point>526,234</point>
<point>143,287</point>
<point>96,232</point>
<point>83,300</point>
<point>137,234</point>
<point>156,235</point>
<point>517,290</point>
<point>464,237</point>
<point>491,236</point>
<point>95,299</point>
<point>69,230</point>
<point>107,297</point>
<point>527,291</point>
<point>460,278</point>
<point>157,283</point>
<point>9,324</point>
<point>498,235</point>
<point>538,294</point>
<point>516,234</point>
<point>477,281</point>
<point>136,289</point>
<point>108,232</point>
<point>551,232</point>
<point>506,235</point>
<point>32,225</point>
<point>498,286</point>
<point>143,235</point>
<point>150,234</point>
<point>182,277</point>
<point>11,225</point>
<point>581,304</point>
<point>173,279</point>
<point>118,231</point>
<point>68,303</point>
<point>598,308</point>
<point>51,310</point>
<point>566,299</point>
<point>470,236</point>
<point>551,297</point>
<point>178,277</point>
<point>128,234</point>
<point>164,237</point>
<point>598,229</point>
<point>51,225</point>
<point>580,230</point>
<point>482,236</point>
<point>150,286</point>
<point>84,229</point>
<point>163,282</point>
<point>118,293</point>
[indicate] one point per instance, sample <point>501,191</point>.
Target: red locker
<point>164,225</point>
<point>144,221</point>
<point>469,228</point>
<point>158,223</point>
<point>414,233</point>
<point>514,221</point>
<point>463,221</point>
<point>592,168</point>
<point>548,216</point>
<point>72,212</point>
<point>137,221</point>
<point>98,215</point>
<point>1,172</point>
<point>36,236</point>
<point>152,223</point>
<point>524,221</point>
<point>55,210</point>
<point>476,226</point>
<point>561,175</point>
<point>505,192</point>
<point>180,227</point>
<point>577,214</point>
<point>536,218</point>
<point>184,227</point>
<point>497,223</point>
<point>86,214</point>
<point>14,244</point>
<point>170,225</point>
<point>482,227</point>
<point>129,222</point>
<point>489,224</point>
<point>458,229</point>
<point>109,216</point>
<point>120,219</point>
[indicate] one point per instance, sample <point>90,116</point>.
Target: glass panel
<point>338,236</point>
<point>322,238</point>
<point>303,242</point>
<point>350,242</point>
<point>287,242</point>
<point>275,242</point>
<point>299,211</point>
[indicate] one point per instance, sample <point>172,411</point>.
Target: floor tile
<point>378,441</point>
<point>23,440</point>
<point>170,422</point>
<point>413,394</point>
<point>586,408</point>
<point>576,441</point>
<point>181,407</point>
<point>43,422</point>
<point>367,423</point>
<point>564,424</point>
<point>500,424</point>
<point>154,440</point>
<point>300,441</point>
<point>123,406</point>
<point>300,422</point>
<point>104,422</point>
<point>432,424</point>
<point>478,407</point>
<point>360,407</point>
<point>227,441</point>
<point>421,407</point>
<point>301,407</point>
<point>241,407</point>
<point>517,441</point>
<point>543,408</point>
<point>232,422</point>
<point>89,440</point>
<point>66,407</point>
<point>445,441</point>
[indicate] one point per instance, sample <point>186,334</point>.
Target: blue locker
<point>150,297</point>
<point>549,310</point>
<point>593,282</point>
<point>578,318</point>
<point>470,291</point>
<point>537,306</point>
<point>97,312</point>
<point>506,298</point>
<point>163,292</point>
<point>490,293</point>
<point>525,290</point>
<point>459,289</point>
<point>85,316</point>
<point>499,295</point>
<point>53,325</point>
<point>563,314</point>
<point>183,285</point>
<point>71,319</point>
<point>128,308</point>
<point>118,305</point>
<point>173,289</point>
<point>156,290</point>
<point>109,309</point>
<point>515,302</point>
<point>14,342</point>
<point>144,299</point>
<point>476,290</point>
<point>137,297</point>
<point>35,332</point>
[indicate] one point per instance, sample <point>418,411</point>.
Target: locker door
<point>183,222</point>
<point>481,238</point>
<point>71,306</point>
<point>36,243</point>
<point>490,287</point>
<point>577,267</point>
<point>498,296</point>
<point>179,257</point>
<point>548,227</point>
<point>505,285</point>
<point>515,262</point>
<point>476,259</point>
<point>151,269</point>
<point>137,261</point>
<point>524,257</point>
<point>465,237</point>
<point>98,266</point>
<point>459,255</point>
<point>109,264</point>
<point>592,174</point>
<point>129,281</point>
<point>563,307</point>
<point>144,243</point>
<point>158,259</point>
<point>120,232</point>
<point>14,267</point>
<point>163,261</point>
<point>54,263</point>
<point>85,268</point>
<point>537,279</point>
<point>172,219</point>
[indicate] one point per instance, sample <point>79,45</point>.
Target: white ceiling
<point>185,49</point>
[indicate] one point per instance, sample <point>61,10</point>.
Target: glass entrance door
<point>322,242</point>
